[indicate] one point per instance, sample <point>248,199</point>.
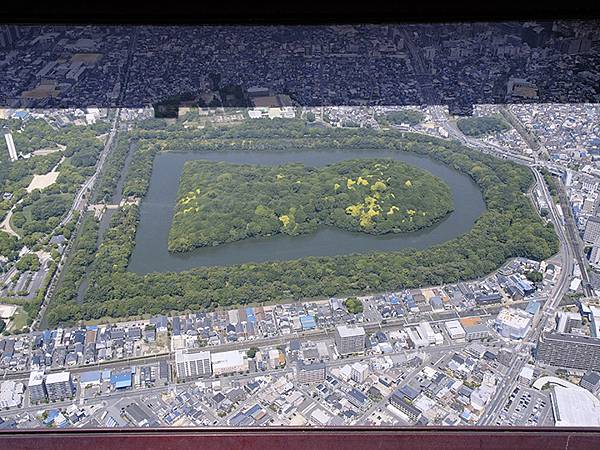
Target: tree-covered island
<point>223,202</point>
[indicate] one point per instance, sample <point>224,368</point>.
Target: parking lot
<point>526,406</point>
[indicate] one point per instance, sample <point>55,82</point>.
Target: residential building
<point>349,339</point>
<point>397,399</point>
<point>59,386</point>
<point>37,387</point>
<point>591,235</point>
<point>192,363</point>
<point>591,382</point>
<point>569,350</point>
<point>310,373</point>
<point>359,372</point>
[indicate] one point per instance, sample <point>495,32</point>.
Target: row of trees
<point>81,257</point>
<point>112,169</point>
<point>509,228</point>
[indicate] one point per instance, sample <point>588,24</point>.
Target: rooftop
<point>350,331</point>
<point>59,377</point>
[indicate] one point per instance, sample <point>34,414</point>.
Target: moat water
<point>156,213</point>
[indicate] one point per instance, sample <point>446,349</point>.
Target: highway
<point>547,311</point>
<point>569,251</point>
<point>79,204</point>
<point>82,197</point>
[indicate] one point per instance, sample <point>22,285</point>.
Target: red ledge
<point>417,438</point>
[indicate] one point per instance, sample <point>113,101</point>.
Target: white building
<point>565,319</point>
<point>359,372</point>
<point>526,374</point>
<point>12,151</point>
<point>11,394</point>
<point>575,407</point>
<point>233,361</point>
<point>416,339</point>
<point>455,330</point>
<point>595,322</point>
<point>320,417</point>
<point>192,363</point>
<point>426,332</point>
<point>513,323</point>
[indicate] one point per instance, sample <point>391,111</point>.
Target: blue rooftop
<point>250,315</point>
<point>121,380</point>
<point>308,322</point>
<point>533,308</point>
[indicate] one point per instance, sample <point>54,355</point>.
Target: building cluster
<point>569,133</point>
<point>583,195</point>
<point>431,313</point>
<point>407,64</point>
<point>52,387</point>
<point>573,340</point>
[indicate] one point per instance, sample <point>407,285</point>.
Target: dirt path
<point>5,225</point>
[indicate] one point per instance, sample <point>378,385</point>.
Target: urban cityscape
<point>275,255</point>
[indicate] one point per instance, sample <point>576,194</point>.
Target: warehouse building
<point>233,361</point>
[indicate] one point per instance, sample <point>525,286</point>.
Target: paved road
<point>569,250</point>
<point>79,205</point>
<point>241,345</point>
<point>547,311</point>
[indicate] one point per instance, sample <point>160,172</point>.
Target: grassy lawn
<point>18,321</point>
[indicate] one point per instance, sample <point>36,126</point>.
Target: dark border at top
<point>291,12</point>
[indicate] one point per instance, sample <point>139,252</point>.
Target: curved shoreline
<point>151,252</point>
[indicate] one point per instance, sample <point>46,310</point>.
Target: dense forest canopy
<point>509,227</point>
<point>222,202</point>
<point>75,152</point>
<point>479,126</point>
<point>404,116</point>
